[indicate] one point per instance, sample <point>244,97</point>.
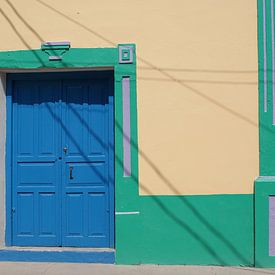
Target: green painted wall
<point>35,59</point>
<point>201,230</point>
<point>266,129</point>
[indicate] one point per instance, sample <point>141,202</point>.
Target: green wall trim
<point>74,58</point>
<point>265,184</point>
<point>265,66</point>
<point>264,187</point>
<point>126,188</point>
<point>194,230</point>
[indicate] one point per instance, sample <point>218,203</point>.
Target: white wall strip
<point>128,213</point>
<point>271,225</point>
<point>126,126</point>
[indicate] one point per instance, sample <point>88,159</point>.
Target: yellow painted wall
<point>197,80</point>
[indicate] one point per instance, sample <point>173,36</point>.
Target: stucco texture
<point>196,86</point>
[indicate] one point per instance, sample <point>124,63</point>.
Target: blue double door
<point>63,160</point>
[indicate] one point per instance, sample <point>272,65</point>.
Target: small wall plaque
<point>125,54</point>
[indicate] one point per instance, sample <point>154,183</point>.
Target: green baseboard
<point>264,187</point>
<point>194,230</point>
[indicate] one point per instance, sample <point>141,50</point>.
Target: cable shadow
<point>154,167</point>
<point>74,141</point>
<point>21,37</point>
<point>169,213</point>
<point>162,206</point>
<point>183,199</point>
<point>199,81</point>
<point>78,23</point>
<point>202,70</point>
<point>37,35</point>
<point>165,209</point>
<point>24,21</point>
<point>153,67</point>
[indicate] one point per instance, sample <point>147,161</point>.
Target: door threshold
<point>58,254</point>
<point>56,248</point>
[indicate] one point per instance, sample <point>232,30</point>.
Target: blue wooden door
<point>63,162</point>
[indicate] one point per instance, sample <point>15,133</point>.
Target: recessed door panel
<point>26,214</point>
<point>36,169</point>
<point>74,213</point>
<point>86,174</point>
<point>86,165</point>
<point>47,209</point>
<point>97,223</point>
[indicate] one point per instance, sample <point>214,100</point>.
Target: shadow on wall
<point>22,39</point>
<point>165,72</point>
<point>172,215</point>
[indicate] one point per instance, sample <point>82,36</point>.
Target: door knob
<point>65,149</point>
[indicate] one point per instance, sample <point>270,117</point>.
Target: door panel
<point>85,174</point>
<point>97,226</point>
<point>85,113</point>
<point>26,215</point>
<point>63,178</point>
<point>36,137</point>
<point>47,225</point>
<point>74,210</point>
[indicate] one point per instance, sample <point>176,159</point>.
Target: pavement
<point>29,268</point>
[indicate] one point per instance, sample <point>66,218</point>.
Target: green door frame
<point>122,60</point>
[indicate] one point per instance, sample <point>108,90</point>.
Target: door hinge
<point>13,210</point>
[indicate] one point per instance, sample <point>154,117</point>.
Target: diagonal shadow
<point>24,21</point>
<point>183,199</point>
<point>201,70</point>
<point>78,23</point>
<point>74,141</point>
<point>155,68</point>
<point>37,35</point>
<point>163,207</point>
<point>154,167</point>
<point>152,67</point>
<point>200,81</point>
<point>21,37</point>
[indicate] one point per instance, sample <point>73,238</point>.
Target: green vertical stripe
<point>267,129</point>
<point>265,185</point>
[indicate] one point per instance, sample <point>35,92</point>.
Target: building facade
<point>144,128</point>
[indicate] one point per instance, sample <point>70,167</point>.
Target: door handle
<point>65,150</point>
<point>71,173</point>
